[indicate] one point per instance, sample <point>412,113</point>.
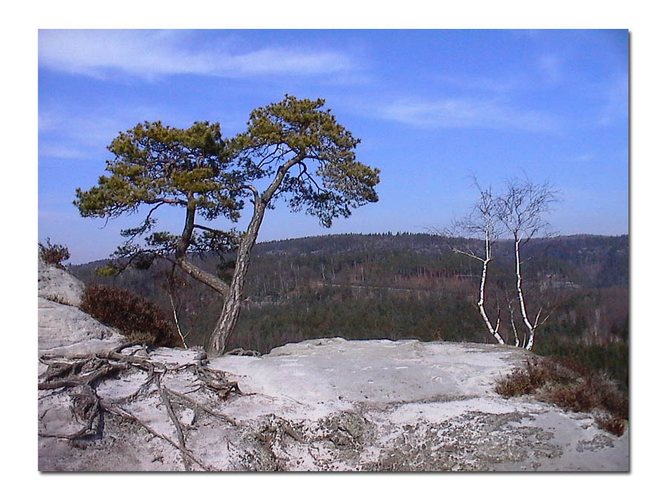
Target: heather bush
<point>612,424</point>
<point>519,382</point>
<point>138,319</point>
<point>571,386</point>
<point>576,396</point>
<point>536,374</point>
<point>53,254</point>
<point>612,359</point>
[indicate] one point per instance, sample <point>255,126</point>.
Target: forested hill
<point>403,286</point>
<point>590,260</point>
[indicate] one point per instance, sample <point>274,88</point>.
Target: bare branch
<point>178,325</point>
<point>468,253</point>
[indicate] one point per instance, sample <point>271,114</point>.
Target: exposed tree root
<point>194,405</point>
<point>120,412</point>
<point>177,426</point>
<point>239,351</point>
<point>79,376</point>
<point>86,409</point>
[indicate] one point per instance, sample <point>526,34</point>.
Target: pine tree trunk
<point>232,305</point>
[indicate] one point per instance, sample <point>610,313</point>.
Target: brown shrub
<point>576,396</point>
<point>138,319</point>
<point>535,375</point>
<point>614,425</point>
<point>613,399</point>
<point>53,254</point>
<point>570,386</point>
<point>515,384</point>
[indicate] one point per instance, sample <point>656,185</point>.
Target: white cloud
<point>495,85</point>
<point>62,151</point>
<point>69,135</point>
<point>467,113</point>
<point>153,54</point>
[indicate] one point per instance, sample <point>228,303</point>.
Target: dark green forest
<point>400,286</point>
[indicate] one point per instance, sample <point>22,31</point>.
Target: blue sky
<point>431,107</point>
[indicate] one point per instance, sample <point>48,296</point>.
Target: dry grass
<point>571,387</point>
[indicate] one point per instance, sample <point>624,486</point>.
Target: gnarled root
<point>80,376</point>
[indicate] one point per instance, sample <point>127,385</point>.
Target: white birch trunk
<point>522,303</point>
<point>480,304</point>
<point>482,289</point>
<point>517,342</point>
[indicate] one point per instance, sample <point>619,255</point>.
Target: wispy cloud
<point>88,129</point>
<point>153,54</point>
<point>467,113</point>
<point>496,85</point>
<point>616,99</point>
<point>62,151</point>
<point>76,134</point>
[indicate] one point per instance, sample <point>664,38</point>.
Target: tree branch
<point>209,229</point>
<point>253,190</point>
<point>469,254</point>
<point>202,276</point>
<point>304,172</point>
<point>178,325</point>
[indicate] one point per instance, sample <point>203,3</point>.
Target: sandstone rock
<point>66,330</point>
<point>341,405</point>
<point>58,285</point>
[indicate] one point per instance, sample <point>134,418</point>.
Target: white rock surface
<point>333,404</point>
<point>63,328</point>
<point>58,285</point>
<point>410,405</point>
<point>327,404</point>
<point>66,330</point>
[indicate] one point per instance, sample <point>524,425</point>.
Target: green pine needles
<point>294,150</point>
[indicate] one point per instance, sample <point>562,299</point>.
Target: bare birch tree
<point>481,222</point>
<point>521,210</point>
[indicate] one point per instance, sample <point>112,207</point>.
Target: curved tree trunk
<point>494,331</point>
<point>232,304</point>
